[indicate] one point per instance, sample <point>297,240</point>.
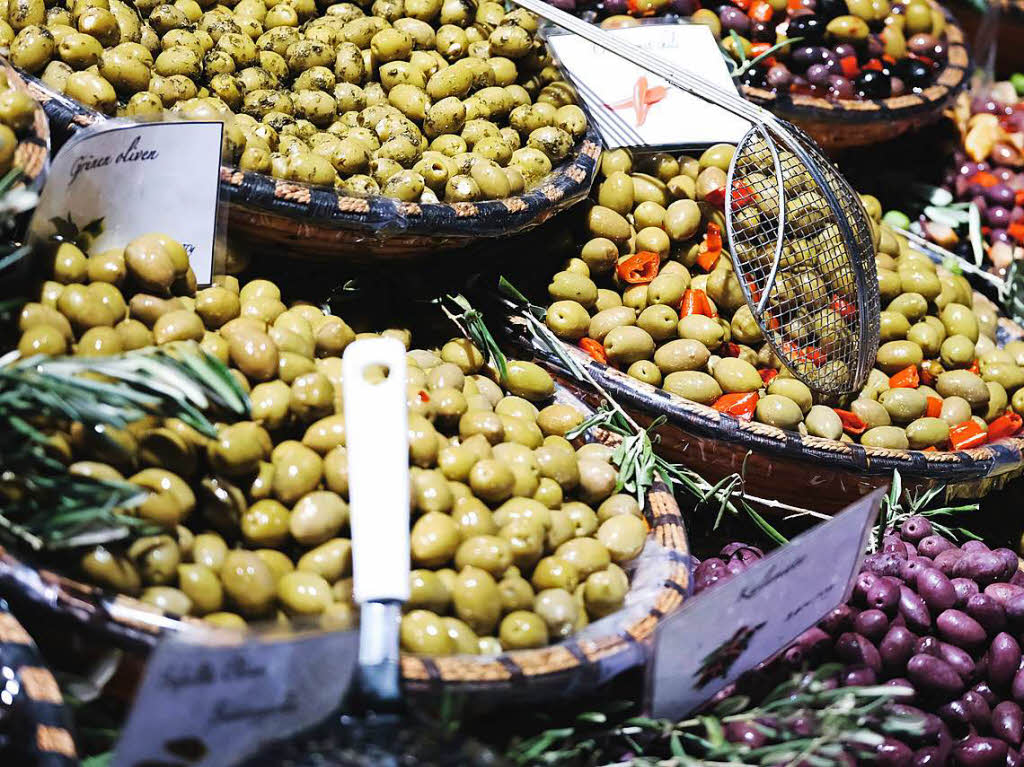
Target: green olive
<point>248,582</point>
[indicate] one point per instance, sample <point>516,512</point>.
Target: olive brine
<point>519,538</point>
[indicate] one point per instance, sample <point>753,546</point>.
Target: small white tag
<point>733,627</point>
<point>634,108</point>
<point>207,704</point>
<point>139,178</point>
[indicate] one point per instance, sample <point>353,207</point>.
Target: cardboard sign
<point>634,108</point>
<point>119,180</point>
<point>734,626</point>
<point>211,699</point>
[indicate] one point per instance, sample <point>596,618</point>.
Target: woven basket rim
<point>319,206</point>
<point>140,625</point>
<point>32,154</point>
<point>949,81</point>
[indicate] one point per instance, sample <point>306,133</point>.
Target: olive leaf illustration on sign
<point>66,230</point>
<point>717,663</point>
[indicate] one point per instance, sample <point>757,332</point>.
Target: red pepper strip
<point>934,407</point>
<point>639,269</point>
<point>923,59</point>
<point>1018,197</point>
<point>930,449</point>
<point>708,257</point>
<point>853,424</point>
<point>716,197</point>
<point>756,49</point>
<point>983,179</point>
<point>741,193</point>
<point>888,59</point>
<point>1005,425</point>
<point>761,11</point>
<point>849,66</point>
<point>810,354</point>
<point>422,396</point>
<point>974,368</point>
<point>873,64</point>
<point>740,404</point>
<point>927,377</point>
<point>595,349</point>
<point>1016,230</point>
<point>843,307</point>
<point>986,230</point>
<point>768,375</point>
<point>907,378</point>
<point>729,349</point>
<point>695,301</point>
<point>966,435</point>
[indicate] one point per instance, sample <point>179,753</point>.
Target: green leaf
<point>676,746</point>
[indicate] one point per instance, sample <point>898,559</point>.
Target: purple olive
<point>986,692</point>
<point>748,555</point>
<point>946,561</point>
<point>983,566</point>
<point>893,544</point>
<point>1008,722</point>
<point>733,18</point>
<point>964,587</point>
<point>779,77</point>
<point>934,676</point>
<point>955,716</point>
<point>1017,686</point>
<point>1000,194</point>
<point>929,756</point>
<point>1018,578</point>
<point>1011,562</point>
<point>859,676</point>
<point>871,623</point>
<point>1013,758</point>
<point>745,733</point>
<point>936,590</point>
<point>863,583</point>
<point>1003,592</point>
<point>913,567</point>
<point>975,751</point>
<point>855,649</point>
<point>986,611</point>
<point>1014,608</point>
<point>893,753</point>
<point>896,648</point>
<point>931,545</point>
<point>838,620</point>
<point>1003,660</point>
<point>915,528</point>
<point>978,712</point>
<point>959,659</point>
<point>959,628</point>
<point>884,563</point>
<point>884,596</point>
<point>914,610</point>
<point>973,544</point>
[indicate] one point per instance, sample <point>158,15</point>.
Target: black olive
<point>755,77</point>
<point>829,9</point>
<point>809,27</point>
<point>874,85</point>
<point>916,74</point>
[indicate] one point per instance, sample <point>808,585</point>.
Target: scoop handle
<point>377,439</point>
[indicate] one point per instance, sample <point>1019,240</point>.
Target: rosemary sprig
<point>900,504</point>
<point>471,323</point>
<point>44,506</point>
<point>842,722</point>
<point>638,464</point>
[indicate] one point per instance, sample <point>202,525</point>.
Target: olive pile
<point>939,381</point>
<point>421,101</point>
<point>519,538</point>
<point>17,111</point>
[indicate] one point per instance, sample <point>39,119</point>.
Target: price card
<point>634,108</point>
<point>733,627</point>
<point>119,180</point>
<point>211,700</point>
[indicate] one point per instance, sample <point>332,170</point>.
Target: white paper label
<point>733,627</point>
<point>139,178</point>
<point>634,108</point>
<point>210,705</point>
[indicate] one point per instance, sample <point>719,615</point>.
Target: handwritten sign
<point>120,180</point>
<point>733,627</point>
<point>205,703</point>
<point>634,108</point>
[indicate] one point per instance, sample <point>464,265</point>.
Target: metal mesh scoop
<point>800,239</point>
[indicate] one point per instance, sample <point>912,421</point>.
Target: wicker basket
<point>783,465</point>
<point>32,154</point>
<point>845,124</point>
<point>273,216</point>
<point>40,698</point>
<point>604,649</point>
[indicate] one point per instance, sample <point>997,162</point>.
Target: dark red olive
<point>964,588</point>
<point>838,620</point>
<point>1013,758</point>
<point>863,583</point>
<point>934,675</point>
<point>959,659</point>
<point>959,628</point>
<point>929,756</point>
<point>745,733</point>
<point>978,711</point>
<point>884,596</point>
<point>931,545</point>
<point>1008,722</point>
<point>915,528</point>
<point>893,753</point>
<point>946,561</point>
<point>896,648</point>
<point>976,751</point>
<point>987,612</point>
<point>1004,656</point>
<point>928,645</point>
<point>871,623</point>
<point>954,715</point>
<point>855,649</point>
<point>1017,685</point>
<point>859,676</point>
<point>982,566</point>
<point>936,590</point>
<point>914,610</point>
<point>905,684</point>
<point>986,692</point>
